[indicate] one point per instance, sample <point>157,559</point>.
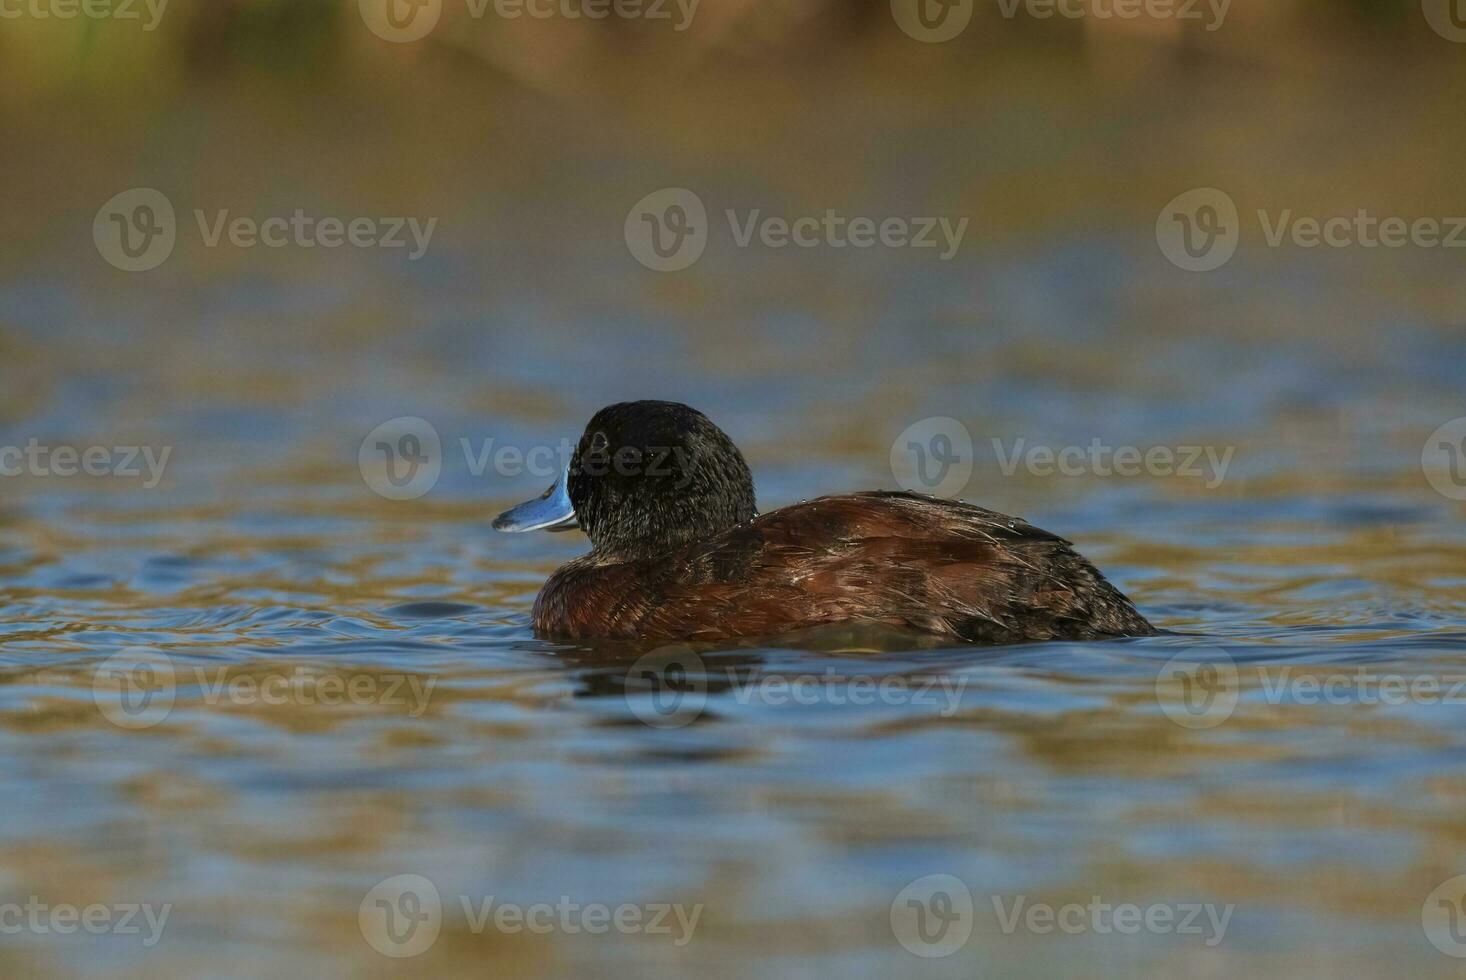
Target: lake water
<point>345,688</point>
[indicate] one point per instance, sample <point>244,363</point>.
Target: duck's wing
<point>944,566</point>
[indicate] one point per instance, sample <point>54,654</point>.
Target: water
<point>357,694</point>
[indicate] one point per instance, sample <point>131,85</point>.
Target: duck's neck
<point>635,534</point>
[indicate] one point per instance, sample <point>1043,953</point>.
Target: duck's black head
<point>646,477</point>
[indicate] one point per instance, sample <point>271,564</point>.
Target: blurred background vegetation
<point>529,139</point>
<point>316,39</point>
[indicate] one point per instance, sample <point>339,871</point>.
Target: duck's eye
<point>599,442</point>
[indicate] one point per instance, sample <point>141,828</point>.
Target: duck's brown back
<point>896,559</point>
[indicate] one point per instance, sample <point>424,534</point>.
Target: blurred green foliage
<point>306,37</point>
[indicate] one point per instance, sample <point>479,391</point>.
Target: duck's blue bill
<point>550,511</point>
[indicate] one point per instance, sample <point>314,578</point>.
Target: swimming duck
<point>679,551</point>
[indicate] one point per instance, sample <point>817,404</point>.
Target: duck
<point>679,552</point>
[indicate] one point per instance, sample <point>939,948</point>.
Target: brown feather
<point>895,559</point>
